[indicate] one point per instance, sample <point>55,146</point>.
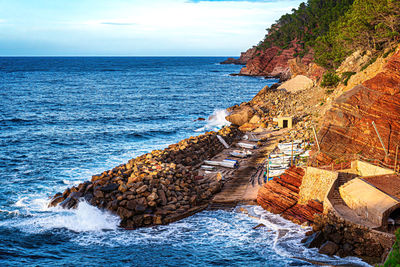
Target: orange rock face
<point>280,196</point>
<point>348,126</point>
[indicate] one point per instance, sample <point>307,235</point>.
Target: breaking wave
<point>216,121</point>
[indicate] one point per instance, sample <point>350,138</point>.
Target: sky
<point>135,27</point>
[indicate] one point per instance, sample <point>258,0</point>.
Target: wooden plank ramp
<point>237,188</point>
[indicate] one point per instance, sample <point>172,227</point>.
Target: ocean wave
<point>85,218</point>
<point>216,121</point>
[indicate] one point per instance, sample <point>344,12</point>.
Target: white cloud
<point>163,27</point>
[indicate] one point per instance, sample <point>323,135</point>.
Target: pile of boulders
<point>156,187</point>
<point>271,103</point>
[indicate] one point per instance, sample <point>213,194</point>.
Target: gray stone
<point>315,240</point>
<point>328,248</point>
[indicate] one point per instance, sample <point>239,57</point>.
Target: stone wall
<point>157,187</point>
<point>315,184</point>
<point>367,201</point>
<point>336,236</point>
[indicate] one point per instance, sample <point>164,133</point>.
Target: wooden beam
<point>316,138</point>
<point>380,139</point>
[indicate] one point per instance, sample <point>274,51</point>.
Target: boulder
<point>55,201</point>
<point>298,83</point>
<point>109,188</point>
<point>328,248</point>
<point>141,189</point>
<point>240,116</point>
<point>248,127</point>
<point>315,240</point>
<point>255,119</point>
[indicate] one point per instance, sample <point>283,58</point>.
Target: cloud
<point>2,20</point>
<point>118,23</point>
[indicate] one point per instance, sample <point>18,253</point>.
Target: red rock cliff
<point>348,125</point>
<point>273,62</point>
<point>281,194</point>
<point>243,59</point>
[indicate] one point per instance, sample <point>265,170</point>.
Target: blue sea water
<point>63,119</point>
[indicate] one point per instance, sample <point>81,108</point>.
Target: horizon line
<point>116,56</point>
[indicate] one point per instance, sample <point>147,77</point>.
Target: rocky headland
<point>243,59</point>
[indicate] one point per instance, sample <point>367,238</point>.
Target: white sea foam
<point>216,121</point>
<point>287,237</point>
<point>82,219</point>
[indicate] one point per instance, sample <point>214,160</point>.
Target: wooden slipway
<point>237,188</point>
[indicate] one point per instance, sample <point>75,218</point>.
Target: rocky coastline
<point>165,185</point>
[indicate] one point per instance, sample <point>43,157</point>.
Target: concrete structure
<point>368,202</point>
<point>359,202</point>
<point>365,169</point>
<point>284,122</point>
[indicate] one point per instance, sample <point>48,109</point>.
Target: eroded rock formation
<point>281,195</point>
<point>347,127</point>
<point>243,59</point>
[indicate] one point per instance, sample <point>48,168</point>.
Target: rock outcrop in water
<point>348,128</point>
<point>157,187</point>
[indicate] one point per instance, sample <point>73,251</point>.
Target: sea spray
<point>82,219</point>
<point>216,121</point>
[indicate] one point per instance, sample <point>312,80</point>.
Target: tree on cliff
<point>368,25</point>
<point>305,24</point>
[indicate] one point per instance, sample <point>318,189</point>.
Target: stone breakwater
<point>156,188</point>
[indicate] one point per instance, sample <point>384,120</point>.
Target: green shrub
<point>330,79</point>
<point>371,61</point>
<point>346,76</point>
<point>393,260</point>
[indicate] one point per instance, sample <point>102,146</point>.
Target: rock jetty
<point>155,188</point>
<point>333,235</point>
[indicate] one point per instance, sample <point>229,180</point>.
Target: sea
<point>64,119</point>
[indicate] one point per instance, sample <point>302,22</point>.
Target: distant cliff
<point>273,62</point>
<point>292,36</point>
<point>243,59</point>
